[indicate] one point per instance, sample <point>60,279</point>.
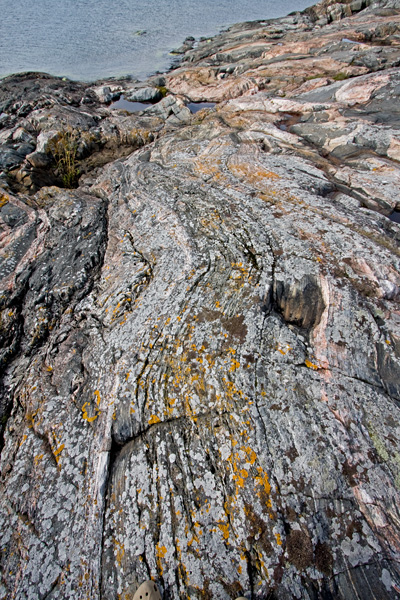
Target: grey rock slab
<point>146,94</point>
<point>200,346</point>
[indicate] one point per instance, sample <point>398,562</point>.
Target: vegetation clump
<point>162,89</point>
<point>340,76</point>
<point>64,150</point>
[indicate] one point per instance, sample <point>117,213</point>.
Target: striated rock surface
<point>200,344</point>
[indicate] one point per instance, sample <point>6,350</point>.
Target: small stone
<point>147,591</point>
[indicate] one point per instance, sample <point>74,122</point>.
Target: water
<point>395,216</point>
<point>94,39</point>
<point>131,107</point>
<point>194,107</point>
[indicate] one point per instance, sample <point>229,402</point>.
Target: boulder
<point>147,94</point>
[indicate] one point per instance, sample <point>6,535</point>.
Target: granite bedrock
<point>200,344</point>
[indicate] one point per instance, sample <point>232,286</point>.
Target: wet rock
<point>147,94</point>
<point>171,109</point>
<point>104,94</point>
<point>187,45</point>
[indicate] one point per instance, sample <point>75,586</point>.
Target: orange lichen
<point>4,198</point>
<point>278,539</point>
<point>120,551</point>
<point>59,450</point>
<point>311,365</point>
<point>234,365</point>
<point>154,419</point>
<point>161,551</point>
<point>85,415</point>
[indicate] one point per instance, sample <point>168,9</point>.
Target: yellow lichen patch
<point>240,271</point>
<point>119,551</point>
<point>311,365</point>
<point>85,415</point>
<point>224,527</point>
<point>278,539</point>
<point>239,482</point>
<point>234,365</point>
<point>231,390</point>
<point>262,564</point>
<point>181,566</point>
<point>38,458</point>
<point>262,480</point>
<point>30,417</point>
<point>211,167</point>
<point>161,551</point>
<point>266,196</point>
<point>98,397</point>
<point>4,198</point>
<point>251,174</point>
<point>58,451</point>
<point>154,419</point>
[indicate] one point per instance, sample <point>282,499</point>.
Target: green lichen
<point>392,461</point>
<point>340,76</point>
<point>378,444</point>
<point>162,89</point>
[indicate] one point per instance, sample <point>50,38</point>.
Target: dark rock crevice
<point>299,302</point>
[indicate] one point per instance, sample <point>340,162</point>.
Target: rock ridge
<point>200,340</point>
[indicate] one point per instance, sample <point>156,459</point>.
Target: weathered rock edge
<point>200,345</point>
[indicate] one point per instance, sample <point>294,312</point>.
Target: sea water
<point>94,39</point>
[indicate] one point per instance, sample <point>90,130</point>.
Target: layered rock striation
<point>200,342</point>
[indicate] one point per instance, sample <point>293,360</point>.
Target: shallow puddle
<point>131,107</point>
<point>194,107</point>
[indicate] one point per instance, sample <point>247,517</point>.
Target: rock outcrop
<point>200,343</point>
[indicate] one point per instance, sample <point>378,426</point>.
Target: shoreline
<point>138,53</point>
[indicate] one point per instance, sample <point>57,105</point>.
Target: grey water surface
<point>94,39</point>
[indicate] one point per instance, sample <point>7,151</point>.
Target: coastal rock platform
<point>200,321</point>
